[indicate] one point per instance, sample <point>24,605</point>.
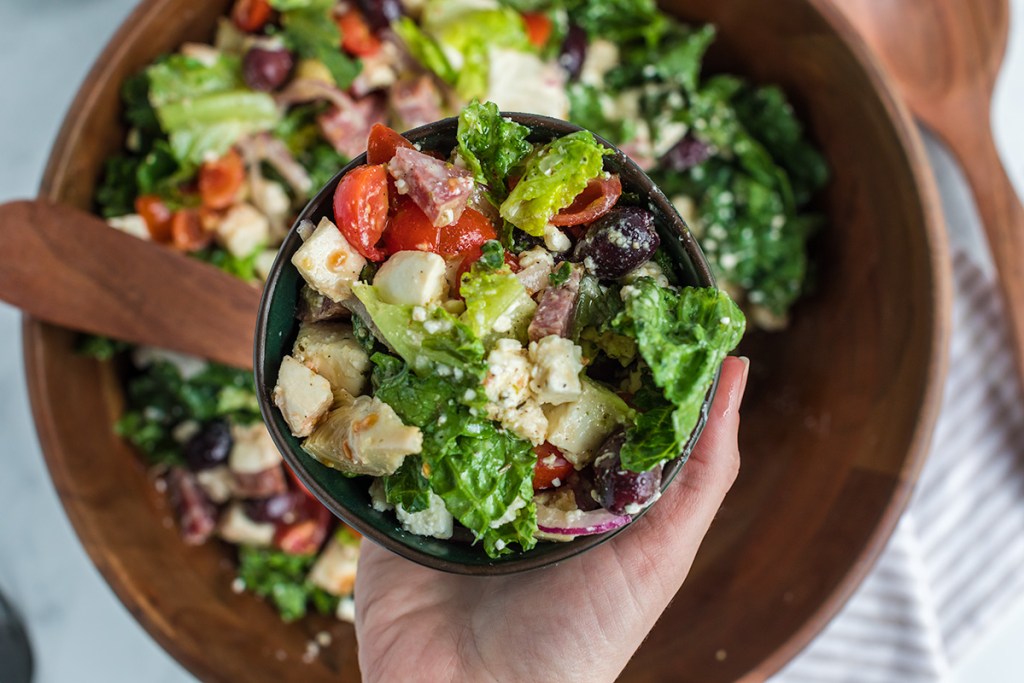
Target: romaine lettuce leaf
<point>425,50</point>
<point>441,339</point>
<point>491,146</point>
<point>479,471</point>
<point>683,338</point>
<point>484,479</point>
<point>497,305</point>
<point>205,108</point>
<point>467,31</point>
<point>554,175</point>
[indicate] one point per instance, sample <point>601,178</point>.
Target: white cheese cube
<point>578,428</point>
<point>557,364</point>
<point>302,396</point>
<point>335,569</point>
<point>243,230</point>
<point>253,450</point>
<point>328,263</point>
<point>435,521</point>
<point>236,527</point>
<point>413,278</point>
<point>507,387</point>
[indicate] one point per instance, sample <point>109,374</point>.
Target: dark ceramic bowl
<point>349,498</point>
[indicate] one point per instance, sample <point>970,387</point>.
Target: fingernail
<point>743,383</point>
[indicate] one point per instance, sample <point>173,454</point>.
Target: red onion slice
<point>558,522</point>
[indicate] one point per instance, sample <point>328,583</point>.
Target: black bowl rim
<point>523,561</point>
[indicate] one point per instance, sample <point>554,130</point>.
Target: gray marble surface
<point>80,630</point>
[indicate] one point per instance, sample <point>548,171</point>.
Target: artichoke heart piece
<point>363,437</point>
<point>330,349</point>
<point>302,395</point>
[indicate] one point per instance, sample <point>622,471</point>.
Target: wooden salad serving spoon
<point>69,268</point>
<point>945,57</point>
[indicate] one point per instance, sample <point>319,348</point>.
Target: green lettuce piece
<point>497,305</point>
<point>587,110</point>
<point>683,338</point>
<point>483,478</point>
<point>441,339</point>
<point>244,268</point>
<point>205,108</point>
<point>554,175</point>
<point>470,30</point>
<point>425,50</point>
<point>282,578</point>
<point>407,486</point>
<point>620,20</point>
<point>309,29</point>
<point>491,146</point>
<point>159,399</point>
<point>768,116</point>
<point>179,77</point>
<point>478,471</point>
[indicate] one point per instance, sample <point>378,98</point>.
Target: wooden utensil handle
<point>1003,219</point>
<point>69,268</point>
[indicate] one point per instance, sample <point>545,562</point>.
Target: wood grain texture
<point>945,57</point>
<point>69,268</point>
<point>836,425</point>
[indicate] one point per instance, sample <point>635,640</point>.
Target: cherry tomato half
<point>251,15</point>
<point>157,217</point>
<point>382,144</point>
<point>187,231</point>
<point>221,180</point>
<point>551,467</point>
<point>356,37</point>
<point>469,233</point>
<point>538,28</point>
<point>410,229</point>
<point>361,209</point>
<point>597,199</point>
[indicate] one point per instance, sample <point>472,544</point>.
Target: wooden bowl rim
<point>149,614</point>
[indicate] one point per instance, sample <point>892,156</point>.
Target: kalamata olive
<point>582,484</point>
<point>618,242</point>
<point>266,68</point>
<point>380,13</point>
<point>574,51</point>
<point>686,154</point>
<point>210,446</point>
<point>618,490</point>
<point>280,507</point>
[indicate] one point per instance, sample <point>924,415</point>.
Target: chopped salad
<point>228,140</point>
<point>529,366</point>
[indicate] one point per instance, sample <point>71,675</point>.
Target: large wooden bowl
<point>835,429</point>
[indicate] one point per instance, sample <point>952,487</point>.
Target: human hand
<point>578,621</point>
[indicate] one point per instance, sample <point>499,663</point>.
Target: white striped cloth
<point>957,557</point>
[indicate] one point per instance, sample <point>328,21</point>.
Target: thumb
<point>662,547</point>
